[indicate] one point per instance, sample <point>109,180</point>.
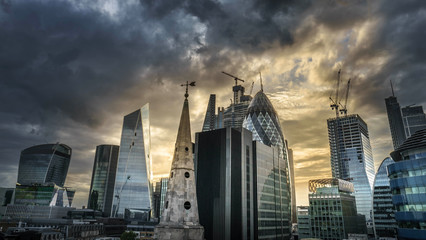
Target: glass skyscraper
<point>383,210</point>
<point>352,158</point>
<point>332,210</point>
<point>262,120</point>
<point>408,185</point>
<point>103,178</point>
<point>210,118</point>
<point>46,163</point>
<point>133,178</point>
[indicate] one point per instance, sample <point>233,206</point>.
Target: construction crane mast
<point>344,110</point>
<point>236,88</point>
<point>335,102</point>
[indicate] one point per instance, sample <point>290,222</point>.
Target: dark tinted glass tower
<point>133,178</point>
<point>262,120</point>
<point>352,158</point>
<point>47,163</point>
<point>293,185</point>
<point>103,178</point>
<point>408,185</point>
<point>395,121</point>
<point>383,210</point>
<point>225,183</point>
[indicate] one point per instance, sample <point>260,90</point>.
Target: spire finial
<point>192,84</point>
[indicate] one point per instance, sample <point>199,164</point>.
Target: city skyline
<point>72,70</point>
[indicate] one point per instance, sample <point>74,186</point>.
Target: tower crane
<point>344,110</point>
<point>235,78</point>
<point>236,88</point>
<point>335,102</point>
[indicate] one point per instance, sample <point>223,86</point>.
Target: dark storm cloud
<point>70,70</point>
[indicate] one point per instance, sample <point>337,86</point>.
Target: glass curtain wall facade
<point>103,178</point>
<point>272,206</point>
<point>332,210</point>
<point>303,222</point>
<point>133,178</point>
<point>383,210</point>
<point>414,119</point>
<point>262,120</point>
<point>46,163</point>
<point>163,191</point>
<point>408,185</point>
<point>210,118</point>
<point>225,183</point>
<point>352,158</point>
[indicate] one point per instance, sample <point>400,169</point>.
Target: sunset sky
<point>70,71</point>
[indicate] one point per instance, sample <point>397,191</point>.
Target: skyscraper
<point>163,191</point>
<point>210,118</point>
<point>408,186</point>
<point>332,209</point>
<point>383,210</point>
<point>133,178</point>
<point>293,185</point>
<point>414,119</point>
<point>179,219</point>
<point>303,222</point>
<point>262,120</point>
<point>352,158</point>
<point>395,121</point>
<point>46,163</point>
<point>225,183</point>
<point>103,178</point>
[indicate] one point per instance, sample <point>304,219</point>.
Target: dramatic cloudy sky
<point>70,71</point>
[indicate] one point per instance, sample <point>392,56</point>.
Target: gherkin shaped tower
<point>262,120</point>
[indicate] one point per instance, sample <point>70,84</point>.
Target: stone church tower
<point>180,215</point>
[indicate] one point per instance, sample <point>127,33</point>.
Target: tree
<point>128,235</point>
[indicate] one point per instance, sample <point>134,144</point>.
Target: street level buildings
<point>408,185</point>
<point>103,178</point>
<point>332,210</point>
<point>352,158</point>
<point>384,223</point>
<point>132,189</point>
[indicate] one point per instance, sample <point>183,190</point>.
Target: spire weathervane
<point>192,84</point>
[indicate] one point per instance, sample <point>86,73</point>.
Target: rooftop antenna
<point>393,94</point>
<point>261,82</point>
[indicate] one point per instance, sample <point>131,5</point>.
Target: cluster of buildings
<point>235,181</point>
<point>390,202</point>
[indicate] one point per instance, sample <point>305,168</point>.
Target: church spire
<point>180,215</point>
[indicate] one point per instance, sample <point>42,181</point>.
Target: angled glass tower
<point>132,189</point>
<point>384,222</point>
<point>352,158</point>
<point>414,119</point>
<point>210,118</point>
<point>103,178</point>
<point>262,120</point>
<point>46,163</point>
